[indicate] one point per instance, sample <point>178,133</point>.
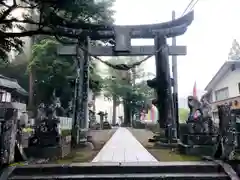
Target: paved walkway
<point>123,147</point>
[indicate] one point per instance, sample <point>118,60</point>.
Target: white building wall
<point>230,80</point>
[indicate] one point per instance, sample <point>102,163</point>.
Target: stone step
<point>152,170</point>
<point>160,176</point>
<point>98,168</point>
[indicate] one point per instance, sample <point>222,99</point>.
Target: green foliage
<point>183,115</point>
<point>96,81</point>
<point>52,17</point>
<point>52,72</point>
<point>125,85</point>
<point>46,21</point>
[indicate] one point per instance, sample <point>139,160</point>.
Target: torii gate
<point>122,36</point>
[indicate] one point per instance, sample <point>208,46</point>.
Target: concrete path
<point>123,147</point>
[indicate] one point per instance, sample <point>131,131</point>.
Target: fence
<point>65,122</point>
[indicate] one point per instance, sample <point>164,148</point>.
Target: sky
<point>208,38</point>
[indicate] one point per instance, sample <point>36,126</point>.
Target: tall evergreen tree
<point>234,53</point>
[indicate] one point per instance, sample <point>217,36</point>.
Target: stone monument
<point>102,115</point>
<point>228,137</point>
<point>198,136</point>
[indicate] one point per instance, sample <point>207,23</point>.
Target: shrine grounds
<point>86,154</point>
<point>100,137</point>
<point>160,153</point>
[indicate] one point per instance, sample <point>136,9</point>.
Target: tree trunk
<point>31,89</point>
<point>114,110</point>
<point>127,113</point>
<point>94,102</point>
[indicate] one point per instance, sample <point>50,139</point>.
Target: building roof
<point>221,72</point>
<point>11,84</point>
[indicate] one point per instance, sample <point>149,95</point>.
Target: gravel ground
<point>161,154</point>
<point>100,137</point>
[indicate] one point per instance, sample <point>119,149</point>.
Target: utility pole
<point>175,86</point>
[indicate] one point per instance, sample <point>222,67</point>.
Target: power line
<point>191,4</point>
<point>194,5</point>
<point>187,7</point>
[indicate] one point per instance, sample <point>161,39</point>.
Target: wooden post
<point>85,87</point>
<point>164,94</point>
<point>77,98</point>
<point>175,86</point>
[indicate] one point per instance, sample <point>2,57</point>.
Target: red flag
<point>195,90</point>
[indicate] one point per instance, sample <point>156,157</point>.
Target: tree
<point>59,18</point>
<point>115,88</point>
<point>52,72</point>
<point>128,87</point>
<point>234,53</point>
<point>183,115</point>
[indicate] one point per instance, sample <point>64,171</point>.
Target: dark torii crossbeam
<point>122,36</point>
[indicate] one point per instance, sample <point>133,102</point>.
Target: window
<point>222,94</point>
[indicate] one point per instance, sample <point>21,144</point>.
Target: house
<point>12,95</point>
<point>11,91</point>
<point>224,88</point>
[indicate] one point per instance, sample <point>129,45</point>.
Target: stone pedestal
<point>50,152</point>
<point>197,143</point>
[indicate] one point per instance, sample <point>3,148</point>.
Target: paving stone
<point>123,147</point>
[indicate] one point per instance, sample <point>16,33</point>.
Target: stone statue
<point>59,109</point>
<point>105,116</point>
<point>206,108</point>
<point>47,132</point>
<point>194,107</point>
<point>199,117</point>
<point>41,114</point>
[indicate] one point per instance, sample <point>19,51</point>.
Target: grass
<point>86,154</point>
<point>66,132</point>
<point>171,155</point>
<point>160,153</point>
<point>79,156</point>
<point>168,154</point>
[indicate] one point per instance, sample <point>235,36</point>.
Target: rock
<point>89,146</point>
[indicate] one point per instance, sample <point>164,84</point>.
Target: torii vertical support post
<point>85,86</point>
<point>164,94</point>
<point>76,125</point>
<point>80,114</point>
